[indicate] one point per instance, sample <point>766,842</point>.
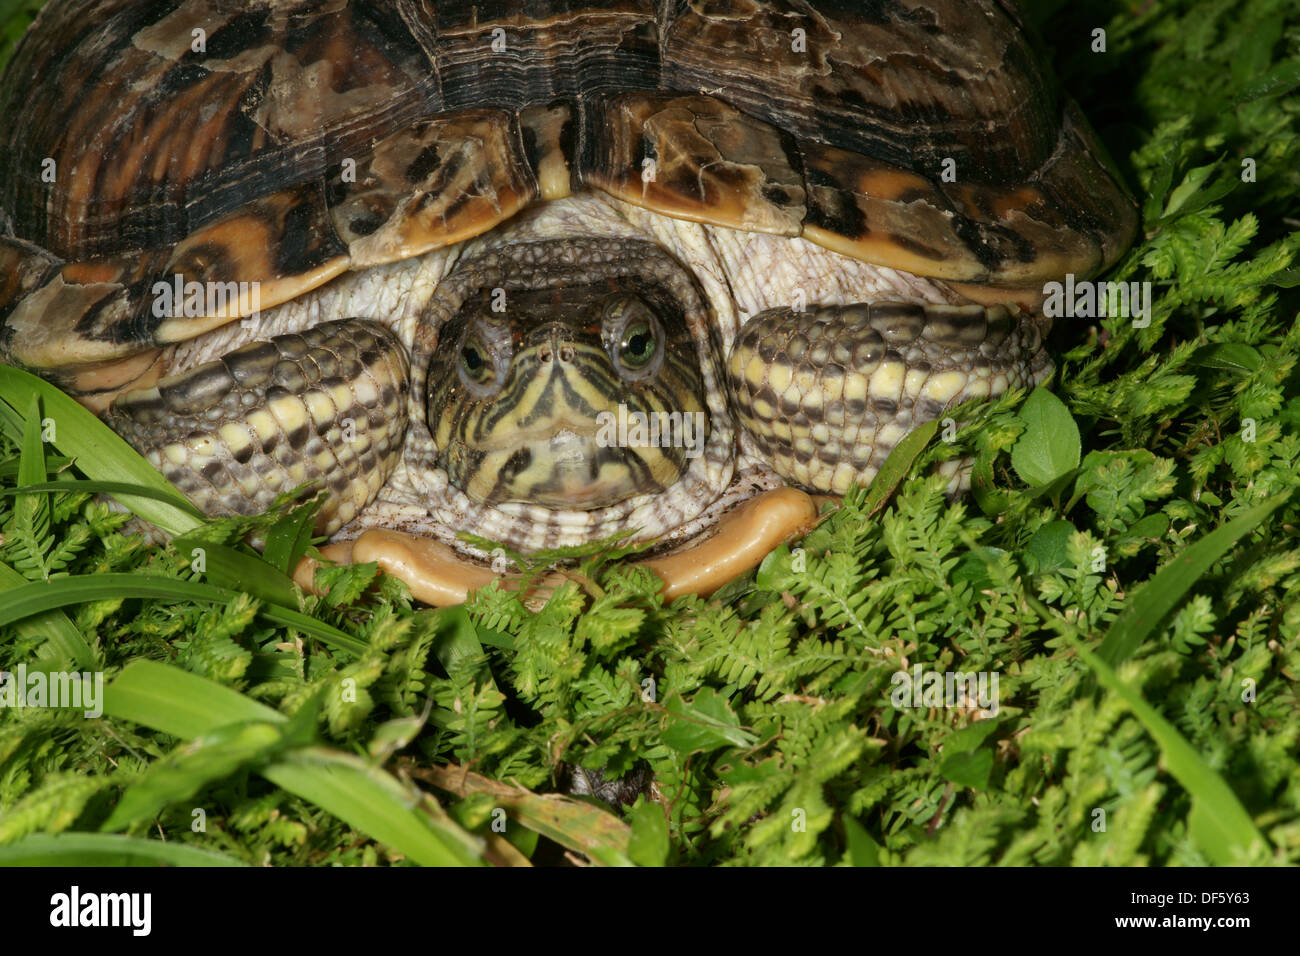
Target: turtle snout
<point>555,343</point>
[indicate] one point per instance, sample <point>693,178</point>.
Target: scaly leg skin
<point>325,405</point>
<point>826,394</point>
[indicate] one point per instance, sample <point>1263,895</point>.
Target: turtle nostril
<point>544,354</point>
<point>566,354</point>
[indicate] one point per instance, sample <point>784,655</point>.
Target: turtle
<point>538,273</point>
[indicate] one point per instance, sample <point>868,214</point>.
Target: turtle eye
<point>480,364</point>
<point>639,344</point>
<point>474,362</point>
<point>634,338</point>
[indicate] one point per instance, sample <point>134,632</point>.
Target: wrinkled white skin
<point>741,273</point>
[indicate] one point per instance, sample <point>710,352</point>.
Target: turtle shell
<point>283,143</point>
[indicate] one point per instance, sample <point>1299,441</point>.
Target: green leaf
<point>964,763</point>
<point>968,769</point>
<point>374,802</point>
<point>100,454</point>
<point>106,488</point>
<point>863,849</point>
<point>31,461</point>
<point>1049,446</point>
<point>290,537</point>
<point>1282,78</point>
<point>991,500</point>
<point>1157,597</point>
<point>897,466</point>
<point>185,705</point>
<point>53,626</point>
<point>180,703</point>
<point>572,823</point>
<point>392,735</point>
<point>1218,822</point>
<point>1050,546</point>
<point>770,570</point>
<point>969,738</point>
<point>973,568</point>
<point>1192,184</point>
<point>1255,50</point>
<point>456,642</point>
<point>706,723</point>
<point>208,757</point>
<point>1152,526</point>
<point>33,598</point>
<point>1229,356</point>
<point>228,567</point>
<point>106,849</point>
<point>649,845</point>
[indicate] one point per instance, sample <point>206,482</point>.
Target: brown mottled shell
<point>285,142</point>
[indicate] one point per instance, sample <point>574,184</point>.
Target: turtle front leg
<point>827,393</point>
<point>327,405</point>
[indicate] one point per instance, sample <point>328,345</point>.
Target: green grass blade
<point>31,461</point>
<point>1218,822</point>
<point>100,454</point>
<point>106,849</point>
<point>9,466</point>
<point>230,568</point>
<point>289,538</point>
<point>185,705</point>
<point>1157,597</point>
<point>11,423</point>
<point>54,626</point>
<point>200,761</point>
<point>37,597</point>
<point>375,803</point>
<point>115,488</point>
<point>897,466</point>
<point>180,703</point>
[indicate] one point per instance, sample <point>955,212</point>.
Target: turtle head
<point>565,390</point>
<point>574,396</point>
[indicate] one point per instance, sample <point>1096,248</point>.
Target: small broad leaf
<point>863,848</point>
<point>969,738</point>
<point>1152,526</point>
<point>1282,78</point>
<point>898,465</point>
<point>1050,445</point>
<point>1050,546</point>
<point>973,568</point>
<point>1190,186</point>
<point>705,723</point>
<point>1229,356</point>
<point>649,844</point>
<point>968,769</point>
